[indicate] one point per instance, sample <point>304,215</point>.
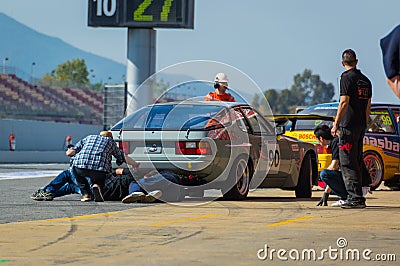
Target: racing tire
<point>241,174</point>
<point>375,167</point>
<point>303,188</point>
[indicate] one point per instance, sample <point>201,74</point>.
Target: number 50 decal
<point>138,13</point>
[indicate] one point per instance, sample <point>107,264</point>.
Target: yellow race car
<point>381,150</point>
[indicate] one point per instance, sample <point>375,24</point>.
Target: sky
<point>269,40</point>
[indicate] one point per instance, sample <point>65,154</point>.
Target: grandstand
<point>22,100</point>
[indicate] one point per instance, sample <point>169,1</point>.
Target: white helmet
<point>221,77</point>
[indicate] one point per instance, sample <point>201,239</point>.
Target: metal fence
<point>115,104</point>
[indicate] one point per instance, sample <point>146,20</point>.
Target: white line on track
<point>24,175</point>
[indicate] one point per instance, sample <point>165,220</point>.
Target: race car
<point>295,125</point>
<point>217,145</point>
<point>381,149</point>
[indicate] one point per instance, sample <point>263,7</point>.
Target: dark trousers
<point>116,187</point>
<point>350,155</point>
<point>96,177</point>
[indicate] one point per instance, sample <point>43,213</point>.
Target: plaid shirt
<point>95,153</point>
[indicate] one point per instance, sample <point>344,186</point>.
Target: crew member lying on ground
<point>164,186</point>
<point>120,185</point>
<point>116,186</point>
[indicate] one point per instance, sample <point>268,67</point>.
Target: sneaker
<point>36,195</point>
<point>133,197</point>
<point>152,196</point>
<point>98,197</point>
<point>86,197</point>
<point>42,195</point>
<point>354,205</point>
<point>366,190</point>
<point>338,203</point>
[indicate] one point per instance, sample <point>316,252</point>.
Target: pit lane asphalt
<point>19,181</point>
<point>68,232</point>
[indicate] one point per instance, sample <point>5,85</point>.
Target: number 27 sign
<point>141,13</point>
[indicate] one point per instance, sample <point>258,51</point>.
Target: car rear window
<point>176,117</point>
<point>312,124</point>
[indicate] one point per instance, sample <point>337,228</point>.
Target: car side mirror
<point>280,130</point>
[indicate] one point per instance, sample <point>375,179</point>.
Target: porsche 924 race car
<point>217,145</point>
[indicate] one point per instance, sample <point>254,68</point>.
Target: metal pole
<point>4,64</point>
<point>33,64</point>
<point>125,95</point>
<point>105,108</point>
<point>140,65</point>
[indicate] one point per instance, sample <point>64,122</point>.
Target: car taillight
<point>192,148</point>
<point>322,149</point>
<point>124,146</point>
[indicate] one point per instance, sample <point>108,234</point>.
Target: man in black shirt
<point>351,118</point>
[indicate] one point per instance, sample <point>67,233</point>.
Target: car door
<point>381,143</point>
<point>396,122</point>
<point>265,144</point>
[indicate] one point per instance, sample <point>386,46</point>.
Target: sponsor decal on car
<point>388,144</point>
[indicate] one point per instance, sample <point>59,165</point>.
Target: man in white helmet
<point>219,94</point>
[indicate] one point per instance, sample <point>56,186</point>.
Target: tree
<point>70,73</point>
<point>309,89</point>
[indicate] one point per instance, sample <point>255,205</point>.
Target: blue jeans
<point>168,183</point>
<point>63,184</point>
<point>335,181</point>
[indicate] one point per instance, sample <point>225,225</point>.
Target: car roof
<point>335,104</point>
<point>202,103</point>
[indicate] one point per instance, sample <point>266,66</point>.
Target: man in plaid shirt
<point>93,156</point>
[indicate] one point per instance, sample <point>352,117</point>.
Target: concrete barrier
<point>40,141</point>
<point>33,157</point>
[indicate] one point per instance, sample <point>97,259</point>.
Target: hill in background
<point>23,46</point>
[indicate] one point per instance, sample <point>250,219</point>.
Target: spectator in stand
<point>220,94</point>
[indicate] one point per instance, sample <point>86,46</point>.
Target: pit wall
<point>39,141</point>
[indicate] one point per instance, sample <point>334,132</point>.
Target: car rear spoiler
<point>283,119</point>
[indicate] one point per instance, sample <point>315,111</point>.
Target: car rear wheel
<point>303,188</point>
<point>374,164</point>
<point>241,174</point>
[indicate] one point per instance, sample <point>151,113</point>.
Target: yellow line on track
<point>90,216</point>
<point>291,221</point>
<point>185,220</point>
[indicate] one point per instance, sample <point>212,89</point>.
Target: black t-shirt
<point>334,148</point>
<point>359,88</point>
